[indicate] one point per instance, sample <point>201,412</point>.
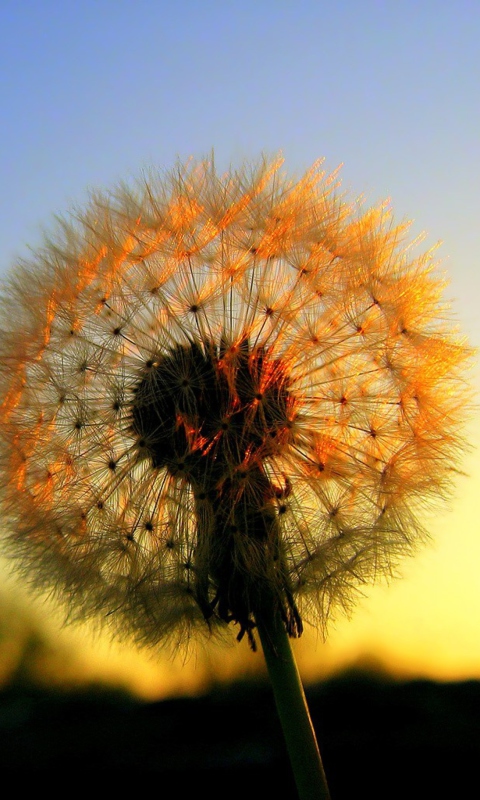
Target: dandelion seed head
<point>221,390</point>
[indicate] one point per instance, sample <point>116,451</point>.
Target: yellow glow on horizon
<point>428,622</point>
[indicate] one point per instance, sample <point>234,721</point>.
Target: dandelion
<point>225,399</point>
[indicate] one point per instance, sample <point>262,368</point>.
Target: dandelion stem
<point>292,709</point>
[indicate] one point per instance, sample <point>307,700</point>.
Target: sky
<point>92,93</point>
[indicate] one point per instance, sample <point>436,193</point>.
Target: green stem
<point>292,709</point>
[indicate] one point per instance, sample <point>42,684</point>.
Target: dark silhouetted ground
<point>379,739</point>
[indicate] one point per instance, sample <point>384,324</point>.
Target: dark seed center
<point>182,404</point>
<point>211,416</point>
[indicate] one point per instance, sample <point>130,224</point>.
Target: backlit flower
<point>221,389</point>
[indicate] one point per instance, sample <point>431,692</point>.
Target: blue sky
<point>92,92</point>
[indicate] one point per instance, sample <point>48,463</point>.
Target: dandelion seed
<point>219,393</point>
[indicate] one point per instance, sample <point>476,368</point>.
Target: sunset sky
<point>93,92</point>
